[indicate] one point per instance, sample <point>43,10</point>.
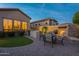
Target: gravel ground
<point>37,48</point>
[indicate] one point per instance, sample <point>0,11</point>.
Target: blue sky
<point>62,12</point>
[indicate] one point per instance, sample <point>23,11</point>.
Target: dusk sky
<point>63,13</point>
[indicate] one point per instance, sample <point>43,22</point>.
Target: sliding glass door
<point>7,25</point>
<point>24,26</point>
<point>16,25</point>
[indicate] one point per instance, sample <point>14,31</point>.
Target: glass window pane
<point>10,25</point>
<point>17,25</point>
<point>7,25</point>
<point>24,26</point>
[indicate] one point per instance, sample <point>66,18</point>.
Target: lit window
<point>35,24</point>
<point>7,23</point>
<point>17,25</point>
<point>24,26</point>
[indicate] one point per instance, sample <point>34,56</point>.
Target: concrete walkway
<point>37,49</point>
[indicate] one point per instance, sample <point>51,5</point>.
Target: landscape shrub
<point>56,31</point>
<point>21,33</point>
<point>2,34</point>
<point>10,34</point>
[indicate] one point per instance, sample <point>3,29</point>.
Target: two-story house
<point>44,22</point>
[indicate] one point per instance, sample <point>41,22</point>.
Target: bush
<point>10,34</point>
<point>56,31</point>
<point>21,33</point>
<point>44,29</point>
<point>76,18</point>
<point>2,34</point>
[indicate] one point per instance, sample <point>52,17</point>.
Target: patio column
<point>12,25</point>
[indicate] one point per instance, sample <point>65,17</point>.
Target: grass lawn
<point>14,41</point>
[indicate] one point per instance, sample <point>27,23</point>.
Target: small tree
<point>44,29</point>
<point>76,18</point>
<point>76,21</point>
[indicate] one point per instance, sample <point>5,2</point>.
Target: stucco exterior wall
<point>46,22</point>
<point>1,24</point>
<point>13,14</point>
<point>58,28</point>
<point>41,23</point>
<point>72,31</point>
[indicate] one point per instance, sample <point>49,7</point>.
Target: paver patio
<point>37,49</point>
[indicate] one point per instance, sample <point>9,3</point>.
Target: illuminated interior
<point>52,28</point>
<point>17,25</point>
<point>24,26</point>
<point>7,23</point>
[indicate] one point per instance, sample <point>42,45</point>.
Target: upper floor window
<point>46,23</point>
<point>35,24</point>
<point>39,24</point>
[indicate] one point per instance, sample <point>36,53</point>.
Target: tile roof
<point>50,19</point>
<point>13,9</point>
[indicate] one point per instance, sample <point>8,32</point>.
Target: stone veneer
<point>73,32</point>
